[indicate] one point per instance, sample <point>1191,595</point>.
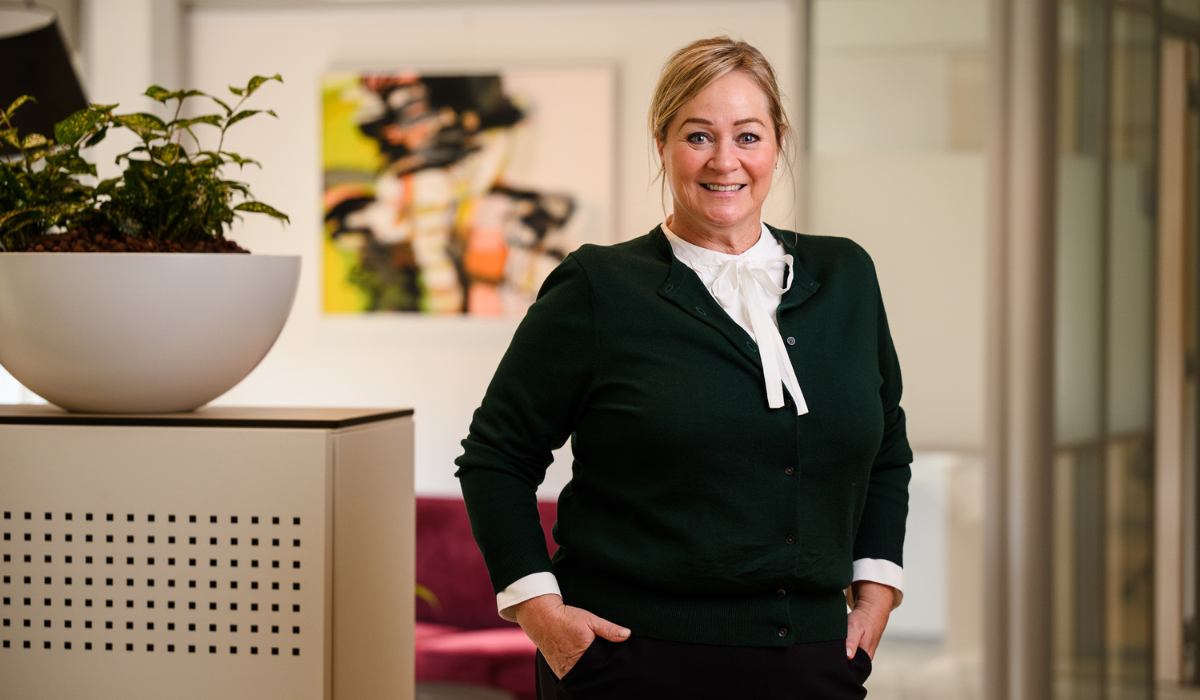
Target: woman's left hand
<point>864,627</point>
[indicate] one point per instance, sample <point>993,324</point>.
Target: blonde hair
<point>701,63</point>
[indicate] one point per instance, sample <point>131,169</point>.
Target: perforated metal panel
<point>166,583</point>
<point>163,562</point>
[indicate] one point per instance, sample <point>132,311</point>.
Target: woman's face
<point>719,153</point>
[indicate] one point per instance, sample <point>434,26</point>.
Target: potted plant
<point>135,313</point>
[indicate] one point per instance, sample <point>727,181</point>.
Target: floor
<point>430,690</point>
<point>908,669</point>
<point>911,669</point>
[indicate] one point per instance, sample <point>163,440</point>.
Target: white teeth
<point>726,188</point>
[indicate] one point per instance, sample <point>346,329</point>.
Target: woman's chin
<point>724,221</point>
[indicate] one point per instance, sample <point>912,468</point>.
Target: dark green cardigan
<point>695,512</point>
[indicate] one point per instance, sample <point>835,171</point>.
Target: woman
<point>732,397</point>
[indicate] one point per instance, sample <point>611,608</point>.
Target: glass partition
<point>1104,334</point>
<point>1188,9</point>
<point>1080,351</point>
<point>1131,336</point>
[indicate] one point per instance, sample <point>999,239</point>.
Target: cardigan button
<point>780,593</point>
<point>789,471</point>
<point>790,539</point>
<point>787,402</point>
<point>791,340</point>
<point>782,631</point>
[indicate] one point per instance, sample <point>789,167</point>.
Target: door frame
<point>1176,424</point>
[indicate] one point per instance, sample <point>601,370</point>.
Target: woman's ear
<point>658,145</point>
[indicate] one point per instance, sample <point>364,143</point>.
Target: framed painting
<point>459,192</point>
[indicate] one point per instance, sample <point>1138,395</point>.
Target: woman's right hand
<point>562,632</point>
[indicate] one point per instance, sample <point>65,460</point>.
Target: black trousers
<point>641,668</point>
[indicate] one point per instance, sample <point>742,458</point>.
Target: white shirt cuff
<point>544,583</point>
<point>882,571</point>
<point>524,588</point>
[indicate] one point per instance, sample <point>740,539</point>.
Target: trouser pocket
<point>585,662</point>
<point>860,666</point>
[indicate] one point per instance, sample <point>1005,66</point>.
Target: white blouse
<point>749,287</point>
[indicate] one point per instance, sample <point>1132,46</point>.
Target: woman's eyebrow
<point>705,122</point>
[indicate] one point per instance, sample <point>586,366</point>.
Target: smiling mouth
<point>723,188</point>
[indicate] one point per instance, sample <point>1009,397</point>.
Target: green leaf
<point>427,595</point>
<point>10,137</point>
<point>106,187</point>
<point>162,95</point>
<point>195,139</point>
<point>240,116</point>
<point>177,207</point>
<point>7,216</point>
<point>127,225</point>
<point>144,125</point>
<point>34,140</point>
<point>240,160</point>
<point>168,153</point>
<point>155,92</point>
<point>71,129</point>
<point>13,183</point>
<point>209,159</point>
<point>71,210</point>
<point>258,80</point>
<point>97,137</point>
<point>102,108</point>
<point>72,162</point>
<point>214,119</point>
<point>260,208</point>
<point>141,119</point>
<point>17,103</point>
<point>34,220</point>
<point>237,91</point>
<point>227,108</point>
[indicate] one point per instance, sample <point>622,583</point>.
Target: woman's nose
<point>723,157</point>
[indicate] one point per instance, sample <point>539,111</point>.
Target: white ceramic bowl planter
<point>140,332</point>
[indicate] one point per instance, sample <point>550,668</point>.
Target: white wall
<point>439,366</point>
<point>898,165</point>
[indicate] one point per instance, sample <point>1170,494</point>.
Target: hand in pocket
<point>561,632</point>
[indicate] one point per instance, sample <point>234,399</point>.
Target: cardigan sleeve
<point>529,410</point>
<point>881,530</point>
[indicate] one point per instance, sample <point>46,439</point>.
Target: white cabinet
<point>228,553</point>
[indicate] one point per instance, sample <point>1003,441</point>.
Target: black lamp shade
<point>34,62</point>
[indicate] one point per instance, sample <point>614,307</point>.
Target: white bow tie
<point>736,279</point>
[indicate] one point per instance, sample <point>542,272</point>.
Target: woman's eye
<point>697,138</point>
<point>748,138</point>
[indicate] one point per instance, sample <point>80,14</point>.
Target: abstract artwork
<point>458,193</point>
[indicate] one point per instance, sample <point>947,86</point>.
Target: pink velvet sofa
<point>463,639</point>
